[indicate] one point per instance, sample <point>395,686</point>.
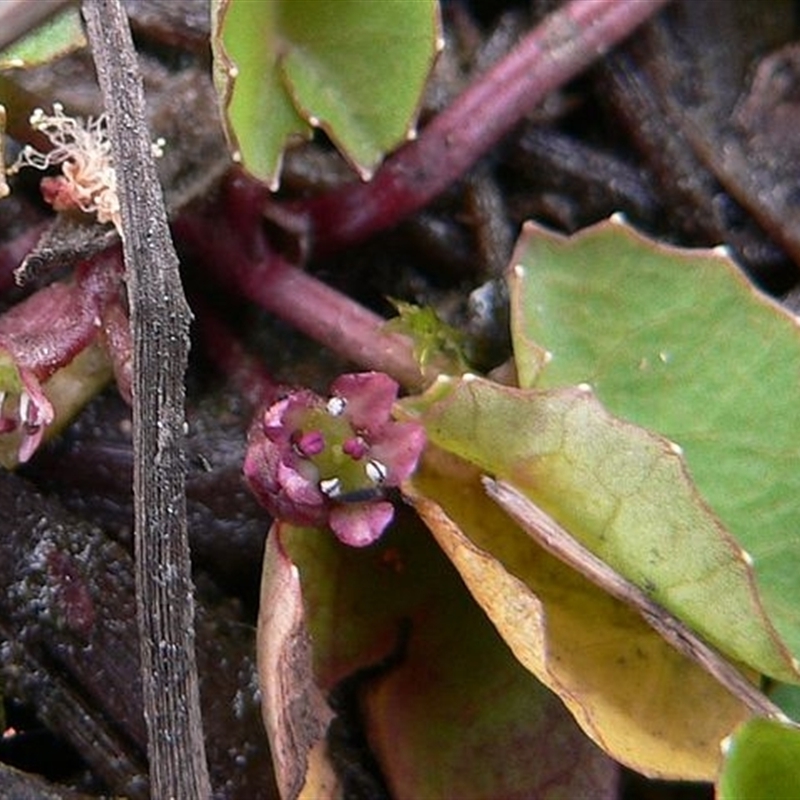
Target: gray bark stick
<point>160,321</point>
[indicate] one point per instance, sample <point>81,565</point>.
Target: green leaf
<point>55,38</point>
<point>433,340</point>
<point>762,760</point>
<point>578,640</point>
<point>447,710</point>
<point>620,490</point>
<point>787,697</point>
<point>354,68</point>
<point>259,116</point>
<point>680,342</point>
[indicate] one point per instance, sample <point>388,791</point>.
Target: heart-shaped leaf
<point>680,342</point>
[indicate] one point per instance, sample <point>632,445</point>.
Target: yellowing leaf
<point>295,713</point>
<point>620,490</point>
<point>644,703</point>
<point>447,710</point>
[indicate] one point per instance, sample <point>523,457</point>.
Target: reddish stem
<point>563,45</point>
<point>238,252</point>
<point>244,260</point>
<point>47,330</point>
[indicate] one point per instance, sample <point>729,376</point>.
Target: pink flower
<point>321,462</point>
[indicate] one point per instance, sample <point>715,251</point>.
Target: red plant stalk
<point>563,45</point>
<point>241,256</point>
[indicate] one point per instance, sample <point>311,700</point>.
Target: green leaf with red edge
<point>354,68</point>
<point>621,490</point>
<point>643,702</point>
<point>451,713</point>
<point>762,760</point>
<point>51,40</point>
<point>680,342</point>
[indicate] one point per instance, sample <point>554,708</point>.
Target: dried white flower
<point>83,150</point>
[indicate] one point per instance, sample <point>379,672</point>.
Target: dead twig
<point>160,331</point>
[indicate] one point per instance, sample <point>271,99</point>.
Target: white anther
<point>336,406</point>
<point>330,487</point>
<point>24,407</point>
<point>376,471</point>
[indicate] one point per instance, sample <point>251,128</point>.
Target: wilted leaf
<point>762,760</point>
<point>680,342</point>
<point>295,713</point>
<point>354,68</point>
<point>644,703</point>
<point>447,710</point>
<point>617,488</point>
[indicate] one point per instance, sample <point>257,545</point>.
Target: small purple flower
<point>321,462</point>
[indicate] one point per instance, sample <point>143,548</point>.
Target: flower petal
<point>360,524</point>
<point>398,448</point>
<point>369,397</point>
<point>280,482</point>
